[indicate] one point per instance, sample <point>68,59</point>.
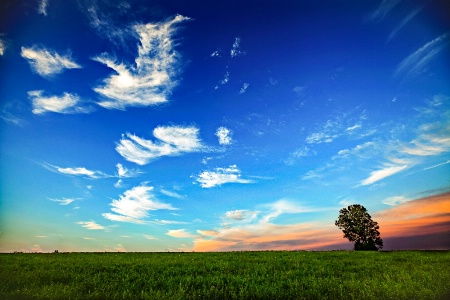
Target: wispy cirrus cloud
<point>382,173</point>
<point>166,222</point>
<point>64,201</point>
<point>77,171</point>
<point>416,63</point>
<point>171,141</point>
<point>383,10</point>
<point>105,18</point>
<point>91,225</point>
<point>134,204</point>
<point>2,46</point>
<point>42,9</point>
<point>171,194</point>
<point>403,23</point>
<point>395,200</point>
<point>224,136</point>
<point>149,237</point>
<point>153,76</point>
<point>343,124</point>
<point>298,154</point>
<point>220,176</point>
<point>9,115</point>
<point>409,143</point>
<point>64,104</point>
<point>47,62</point>
<point>432,139</point>
<point>124,172</point>
<point>180,233</point>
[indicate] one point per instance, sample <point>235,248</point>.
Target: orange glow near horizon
<point>429,215</point>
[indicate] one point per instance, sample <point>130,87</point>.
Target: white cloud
<point>216,53</point>
<point>244,88</point>
<point>438,165</point>
<point>403,23</point>
<point>123,172</point>
<point>77,171</point>
<point>311,175</point>
<point>219,176</point>
<point>282,207</point>
<point>416,63</point>
<point>236,48</point>
<point>354,127</point>
<point>382,173</point>
<point>2,47</point>
<point>395,200</point>
<point>9,115</point>
<point>180,233</point>
<point>152,78</point>
<point>341,124</point>
<point>42,9</point>
<point>172,194</point>
<point>149,237</point>
<point>172,141</point>
<point>118,184</point>
<point>91,225</point>
<point>134,204</point>
<point>65,201</point>
<point>433,139</point>
<point>241,214</point>
<point>224,136</point>
<point>208,232</point>
<point>226,78</point>
<point>299,153</point>
<point>383,9</point>
<point>166,222</point>
<point>46,62</point>
<point>65,104</point>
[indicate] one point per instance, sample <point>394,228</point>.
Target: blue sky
<point>222,125</point>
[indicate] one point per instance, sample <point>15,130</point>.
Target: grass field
<point>229,275</point>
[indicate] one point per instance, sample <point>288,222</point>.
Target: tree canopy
<point>358,227</point>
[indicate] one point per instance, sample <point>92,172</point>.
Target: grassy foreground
<point>232,275</point>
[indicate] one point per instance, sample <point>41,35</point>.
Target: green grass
<point>232,275</point>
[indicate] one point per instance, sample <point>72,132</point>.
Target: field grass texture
<point>227,275</point>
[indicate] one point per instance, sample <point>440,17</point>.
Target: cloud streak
<point>382,173</point>
<point>171,141</point>
<point>47,62</point>
<point>220,176</point>
<point>153,76</point>
<point>65,201</point>
<point>415,63</point>
<point>77,171</point>
<point>91,225</point>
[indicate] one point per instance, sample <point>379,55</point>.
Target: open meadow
<point>227,275</point>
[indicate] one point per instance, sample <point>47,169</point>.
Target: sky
<point>222,125</point>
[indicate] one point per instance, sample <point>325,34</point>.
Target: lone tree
<point>358,227</point>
